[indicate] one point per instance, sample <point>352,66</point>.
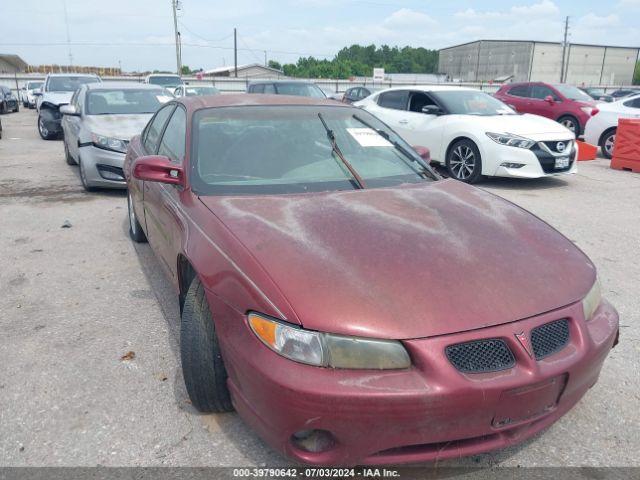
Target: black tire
<point>67,156</point>
<point>607,141</point>
<point>17,108</point>
<point>45,134</point>
<point>3,107</point>
<point>462,156</point>
<point>135,230</point>
<point>202,366</point>
<point>571,123</point>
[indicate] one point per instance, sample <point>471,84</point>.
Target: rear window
<point>396,99</point>
<point>300,90</point>
<point>68,84</point>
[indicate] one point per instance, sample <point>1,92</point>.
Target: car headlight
<point>108,143</point>
<point>511,140</point>
<point>591,302</point>
<point>328,350</point>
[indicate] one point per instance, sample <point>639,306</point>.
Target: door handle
<point>403,121</point>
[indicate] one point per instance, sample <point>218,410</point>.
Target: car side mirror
<point>69,110</point>
<point>432,110</point>
<point>423,152</point>
<point>158,168</point>
<point>549,99</point>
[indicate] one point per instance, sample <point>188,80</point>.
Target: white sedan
<point>474,134</point>
<point>601,128</point>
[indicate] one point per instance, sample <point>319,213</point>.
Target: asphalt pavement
<point>89,358</point>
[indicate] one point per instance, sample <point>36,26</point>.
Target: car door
<point>518,98</point>
<point>539,104</point>
<point>391,108</point>
<point>150,141</point>
<point>160,200</point>
<point>72,124</point>
<point>425,129</point>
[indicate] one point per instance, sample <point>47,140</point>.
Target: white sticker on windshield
<point>368,137</point>
<point>163,98</point>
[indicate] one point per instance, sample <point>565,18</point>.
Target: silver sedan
<point>98,123</point>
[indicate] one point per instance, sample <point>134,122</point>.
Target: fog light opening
<point>313,441</point>
<point>512,165</point>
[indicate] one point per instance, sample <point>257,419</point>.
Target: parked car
<point>624,92</point>
<point>166,80</point>
<point>331,93</point>
<point>57,90</point>
<point>195,90</point>
<point>98,124</point>
<point>601,129</point>
<point>0,129</point>
<point>564,103</point>
<point>355,94</point>
<point>27,93</point>
<point>8,101</point>
<point>350,305</point>
<point>473,134</point>
<point>597,94</point>
<point>286,87</point>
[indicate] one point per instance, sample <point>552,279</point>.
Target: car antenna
<point>332,138</point>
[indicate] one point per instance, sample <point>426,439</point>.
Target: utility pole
<point>66,21</point>
<point>265,58</point>
<point>235,52</point>
<point>175,6</point>
<point>564,49</point>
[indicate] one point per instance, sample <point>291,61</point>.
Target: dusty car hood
<point>526,125</point>
<point>122,127</point>
<point>57,98</point>
<point>407,262</point>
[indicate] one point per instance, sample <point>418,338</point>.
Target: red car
<point>353,307</point>
<point>564,103</point>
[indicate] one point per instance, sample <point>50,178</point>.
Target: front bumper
<point>536,162</point>
<point>426,413</point>
<point>103,168</point>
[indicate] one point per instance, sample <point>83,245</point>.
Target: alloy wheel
<point>463,162</point>
<point>43,130</point>
<point>609,143</point>
<point>570,124</point>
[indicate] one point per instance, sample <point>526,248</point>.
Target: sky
<point>138,34</point>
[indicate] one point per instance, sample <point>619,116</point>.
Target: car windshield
<point>33,85</point>
<point>125,101</point>
<point>300,90</point>
<point>471,102</point>
<point>197,91</point>
<point>167,80</point>
<point>598,92</point>
<point>573,93</point>
<point>286,149</point>
<point>68,84</point>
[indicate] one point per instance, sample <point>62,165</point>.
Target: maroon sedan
<point>350,305</point>
<point>561,102</point>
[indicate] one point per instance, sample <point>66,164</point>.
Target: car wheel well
<point>605,133</point>
<point>453,142</point>
<point>186,274</point>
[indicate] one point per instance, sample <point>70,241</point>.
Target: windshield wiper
<point>334,146</point>
<point>425,171</point>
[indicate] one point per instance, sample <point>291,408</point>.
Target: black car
<point>286,87</point>
<point>597,94</point>
<point>8,101</point>
<point>624,92</point>
<point>355,94</point>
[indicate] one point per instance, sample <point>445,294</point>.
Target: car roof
<point>430,88</point>
<point>72,75</point>
<point>253,100</point>
<point>261,82</point>
<point>123,86</point>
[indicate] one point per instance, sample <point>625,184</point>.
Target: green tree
<point>274,64</point>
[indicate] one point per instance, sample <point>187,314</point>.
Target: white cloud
<point>595,21</point>
<point>407,18</point>
<point>545,8</point>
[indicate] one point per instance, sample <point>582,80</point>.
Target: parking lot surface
<point>89,357</point>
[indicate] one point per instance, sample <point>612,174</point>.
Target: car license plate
<point>562,162</point>
<point>529,402</point>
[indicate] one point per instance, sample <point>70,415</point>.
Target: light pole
<point>175,6</point>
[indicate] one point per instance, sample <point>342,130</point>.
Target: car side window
<point>154,129</point>
<point>419,100</point>
<point>635,103</point>
<point>541,92</point>
<point>395,99</point>
<point>270,88</point>
<point>256,89</point>
<point>519,91</point>
<point>174,137</point>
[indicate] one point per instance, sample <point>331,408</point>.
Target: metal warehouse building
<point>500,60</point>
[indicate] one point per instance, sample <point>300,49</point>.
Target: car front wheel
<point>464,162</point>
<point>203,369</point>
<point>135,230</point>
<point>45,133</point>
<point>607,143</point>
<point>570,123</point>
